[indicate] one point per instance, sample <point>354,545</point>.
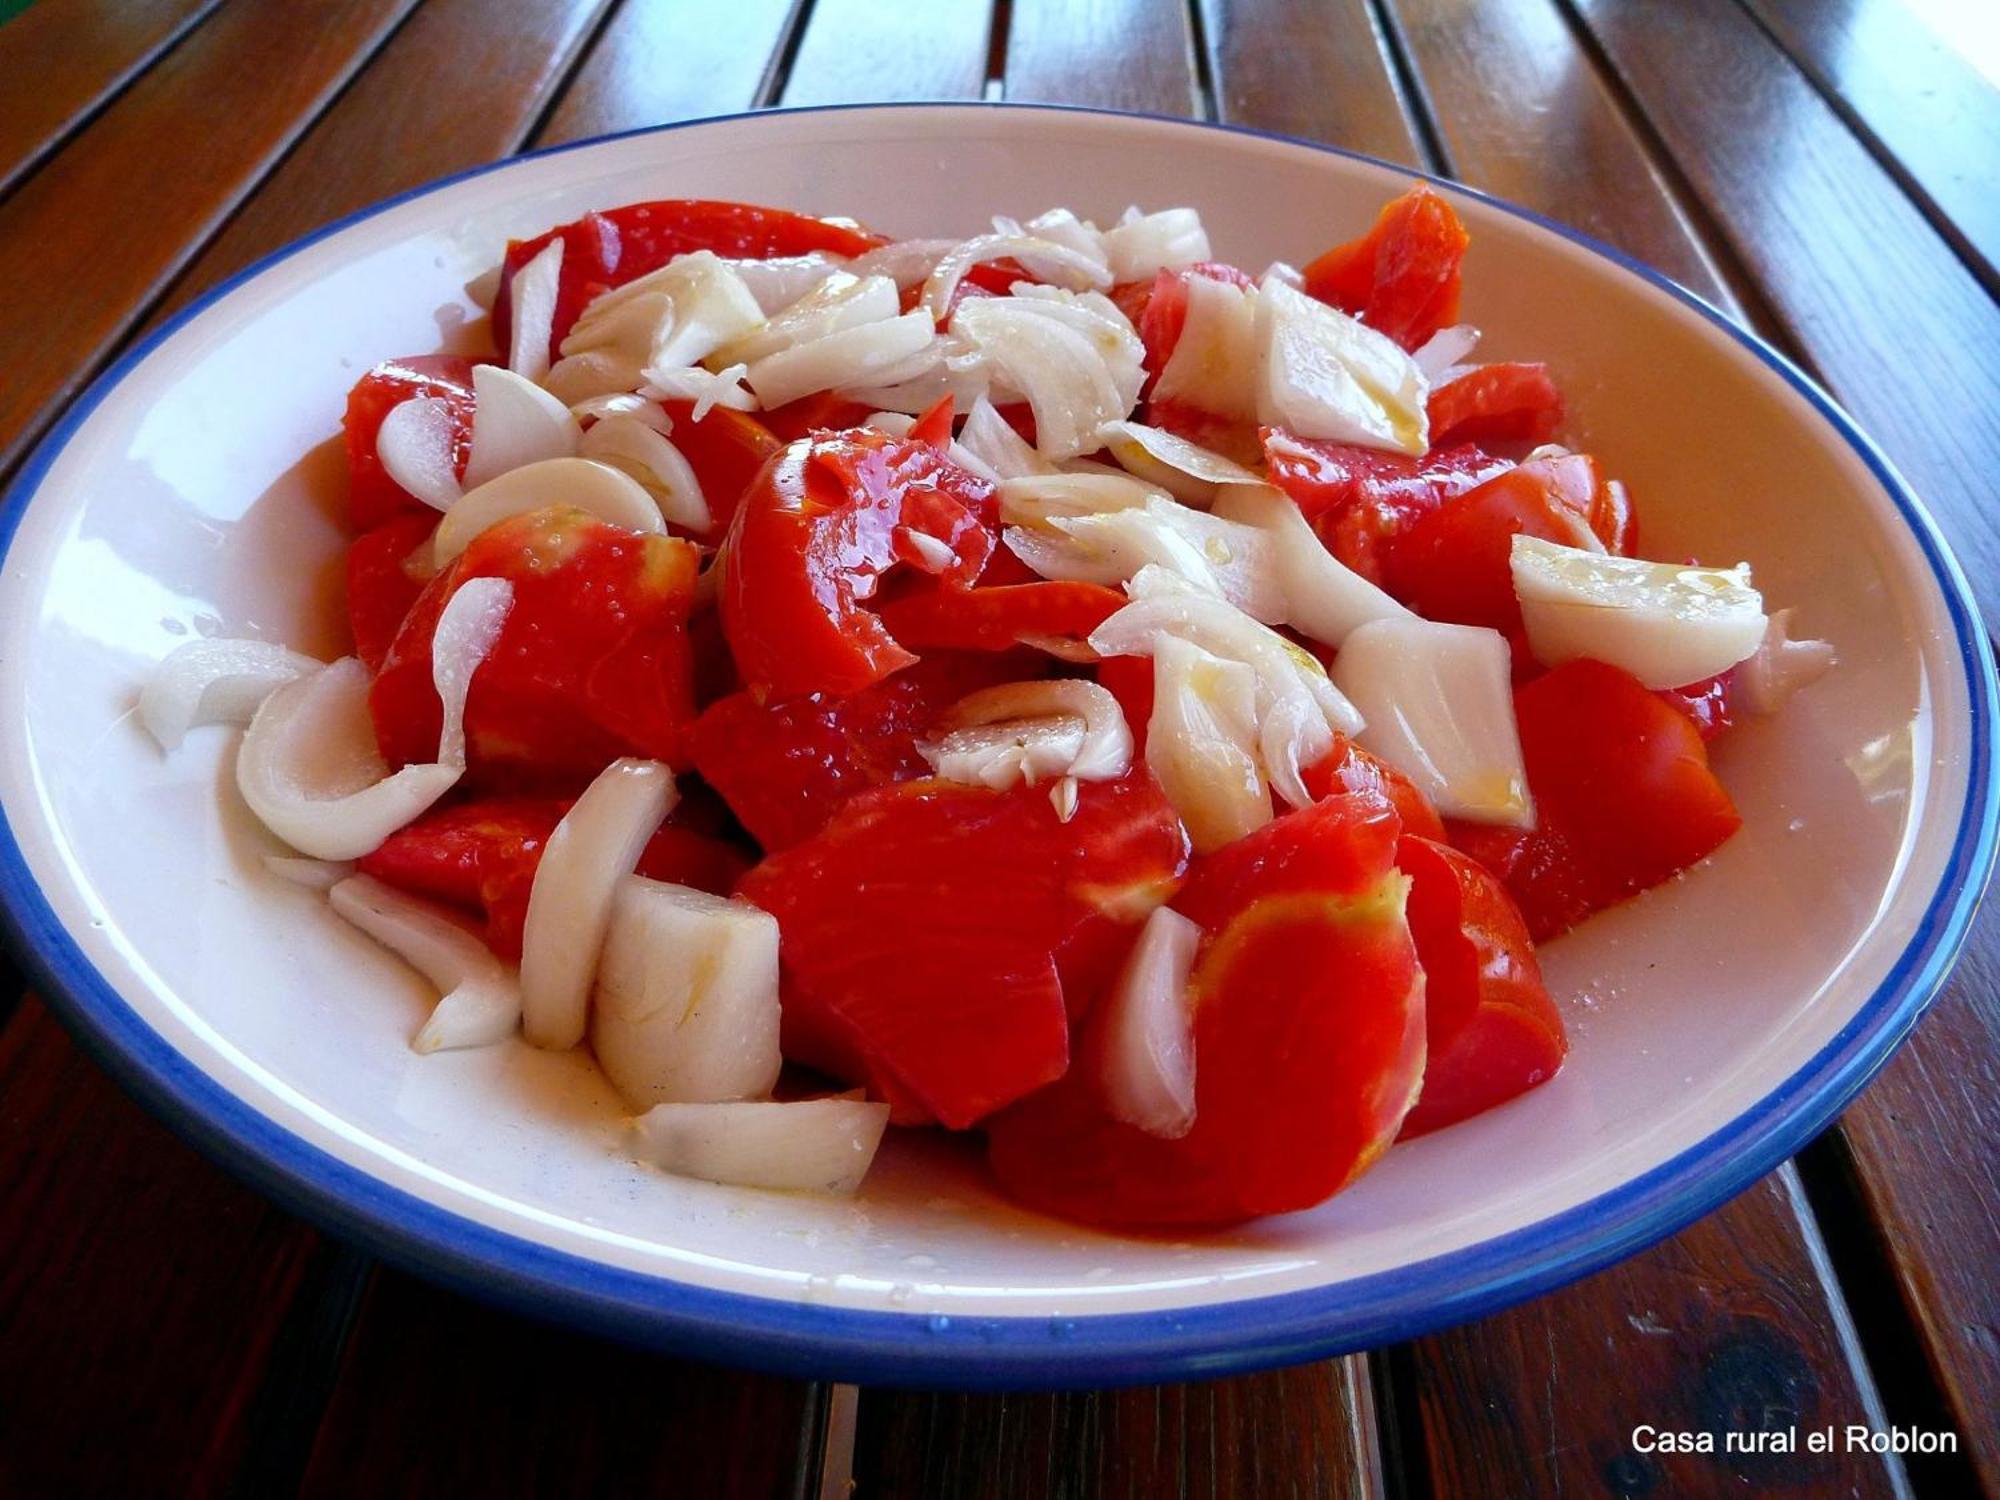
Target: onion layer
<point>214,682</point>
<point>1780,666</point>
<point>1201,744</point>
<point>417,446</point>
<point>1148,1030</point>
<point>1323,598</point>
<point>479,1001</point>
<point>639,450</point>
<point>808,1145</point>
<point>1322,374</point>
<point>532,304</point>
<point>1030,731</point>
<point>607,493</point>
<point>514,423</point>
<point>466,629</point>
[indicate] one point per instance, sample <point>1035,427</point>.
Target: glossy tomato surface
<point>372,496</point>
<point>1402,276</point>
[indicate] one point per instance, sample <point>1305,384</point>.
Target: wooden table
<point>1824,171</point>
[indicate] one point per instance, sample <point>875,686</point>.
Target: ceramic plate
<point>1717,1022</point>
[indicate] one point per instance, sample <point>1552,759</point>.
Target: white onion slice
<point>607,493</point>
<point>310,770</point>
<point>686,1004</point>
<point>1142,245</point>
<point>1084,718</point>
<point>905,262</point>
<point>1214,363</point>
<point>1322,374</point>
<point>1037,499</point>
<point>214,681</point>
<point>594,847</point>
<point>480,1002</point>
<point>1666,624</point>
<point>997,451</point>
<point>805,1145</point>
<point>1022,752</point>
<point>467,627</point>
<point>896,424</point>
<point>1324,598</point>
<point>712,305</point>
<point>642,409</point>
<point>1201,744</point>
<point>1074,379</point>
<point>1185,470</point>
<point>1439,700</point>
<point>577,378</point>
<point>840,302</point>
<point>417,446</point>
<point>1780,666</point>
<point>707,389</point>
<point>781,280</point>
<point>1221,556</point>
<point>514,423</point>
<point>320,875</point>
<point>850,356</point>
<point>1148,1030</point>
<point>628,444</point>
<point>1063,227</point>
<point>1444,350</point>
<point>1048,261</point>
<point>531,305</point>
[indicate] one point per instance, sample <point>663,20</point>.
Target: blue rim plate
<point>907,1348</point>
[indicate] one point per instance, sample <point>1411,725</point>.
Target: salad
<point>1054,684</point>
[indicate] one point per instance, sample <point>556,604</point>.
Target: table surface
<point>1824,170</point>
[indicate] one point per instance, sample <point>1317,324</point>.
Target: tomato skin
<point>1347,768</point>
<point>1624,798</point>
<point>381,584</point>
<point>817,529</point>
<point>939,615</point>
<point>785,768</point>
<point>1708,704</point>
<point>726,449</point>
<point>591,664</point>
<point>1454,564</point>
<point>1360,500</point>
<point>822,412</point>
<point>607,249</point>
<point>1401,277</point>
<point>909,967</point>
<point>1502,403</point>
<point>372,496</point>
<point>1491,1030</point>
<point>1129,679</point>
<point>1308,1036</point>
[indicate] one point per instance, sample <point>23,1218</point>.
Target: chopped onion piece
<point>897,424</point>
<point>607,493</point>
<point>686,1005</point>
<point>1022,752</point>
<point>1322,374</point>
<point>417,446</point>
<point>1062,226</point>
<point>1323,597</point>
<point>679,314</point>
<point>905,262</point>
<point>1098,319</point>
<point>1439,700</point>
<point>466,629</point>
<point>1148,1030</point>
<point>1780,666</point>
<point>780,281</point>
<point>805,1145</point>
<point>1076,367</point>
<point>1185,470</point>
<point>1214,363</point>
<point>1221,556</point>
<point>997,450</point>
<point>1045,259</point>
<point>531,303</point>
<point>1080,721</point>
<point>629,445</point>
<point>643,409</point>
<point>214,681</point>
<point>514,423</point>
<point>1037,499</point>
<point>312,874</point>
<point>707,389</point>
<point>840,302</point>
<point>852,356</point>
<point>592,849</point>
<point>1141,247</point>
<point>1445,350</point>
<point>1666,624</point>
<point>480,1000</point>
<point>310,770</point>
<point>1063,798</point>
<point>576,378</point>
<point>1201,744</point>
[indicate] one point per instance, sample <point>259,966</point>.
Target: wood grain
<point>78,53</point>
<point>441,1396</point>
<point>141,1292</point>
<point>664,60</point>
<point>87,243</point>
<point>1120,54</point>
<point>1912,93</point>
<point>1307,1431</point>
<point>855,50</point>
<point>1313,68</point>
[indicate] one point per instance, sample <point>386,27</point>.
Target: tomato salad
<point>1054,684</point>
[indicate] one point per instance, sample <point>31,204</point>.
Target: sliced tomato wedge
<point>1350,769</point>
<point>817,530</point>
<point>1402,276</point>
<point>1709,704</point>
<point>387,568</point>
<point>608,249</point>
<point>925,929</point>
<point>1308,1017</point>
<point>785,768</point>
<point>726,449</point>
<point>1052,614</point>
<point>1491,1030</point>
<point>1360,500</point>
<point>1504,403</point>
<point>372,496</point>
<point>1624,797</point>
<point>592,663</point>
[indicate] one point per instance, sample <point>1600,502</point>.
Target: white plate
<point>1717,1022</point>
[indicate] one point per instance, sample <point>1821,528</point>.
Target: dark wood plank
<point>1120,54</point>
<point>1721,1329</point>
<point>1313,68</point>
<point>387,133</point>
<point>87,242</point>
<point>673,60</point>
<point>141,1293</point>
<point>1866,288</point>
<point>860,50</point>
<point>1898,74</point>
<point>1307,1431</point>
<point>441,1396</point>
<point>66,57</point>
